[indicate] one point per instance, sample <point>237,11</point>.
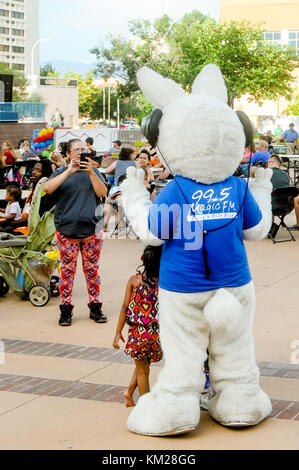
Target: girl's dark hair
<point>63,146</point>
<point>151,261</point>
<point>125,153</point>
<point>46,167</point>
<point>15,192</point>
<point>89,140</point>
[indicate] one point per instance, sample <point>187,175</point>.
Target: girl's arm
<point>150,176</point>
<point>110,168</point>
<point>123,314</point>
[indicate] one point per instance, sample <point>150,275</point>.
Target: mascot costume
<point>206,293</point>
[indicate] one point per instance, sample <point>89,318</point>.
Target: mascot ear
<point>210,82</point>
<point>150,126</point>
<point>247,126</point>
<point>158,90</point>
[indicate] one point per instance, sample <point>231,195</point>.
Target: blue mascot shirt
<point>182,212</point>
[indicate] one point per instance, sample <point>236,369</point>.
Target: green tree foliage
<point>293,107</point>
<point>47,70</point>
<point>180,50</point>
<point>19,82</point>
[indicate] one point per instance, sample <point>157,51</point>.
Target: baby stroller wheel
<point>54,289</point>
<point>4,287</point>
<point>39,295</point>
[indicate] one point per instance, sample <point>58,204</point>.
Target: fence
<point>22,112</point>
<point>129,137</point>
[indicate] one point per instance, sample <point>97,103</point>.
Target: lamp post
<point>33,83</point>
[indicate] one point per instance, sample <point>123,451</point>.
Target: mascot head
<point>197,135</point>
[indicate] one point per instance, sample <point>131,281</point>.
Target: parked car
<point>128,125</point>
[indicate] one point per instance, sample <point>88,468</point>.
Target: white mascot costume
<point>206,294</point>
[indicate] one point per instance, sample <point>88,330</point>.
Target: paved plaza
<point>61,388</point>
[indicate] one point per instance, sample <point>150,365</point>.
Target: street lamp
<point>33,83</point>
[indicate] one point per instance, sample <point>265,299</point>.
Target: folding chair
<point>122,219</point>
<point>282,205</point>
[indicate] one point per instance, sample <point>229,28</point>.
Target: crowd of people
<point>84,198</point>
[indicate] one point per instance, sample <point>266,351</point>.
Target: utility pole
<point>104,99</point>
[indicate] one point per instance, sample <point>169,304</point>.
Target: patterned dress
<point>142,317</point>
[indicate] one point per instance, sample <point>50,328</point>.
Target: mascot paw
<point>262,179</point>
<point>133,181</point>
<point>164,414</point>
<point>240,405</point>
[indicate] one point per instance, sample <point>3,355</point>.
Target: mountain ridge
<point>63,66</point>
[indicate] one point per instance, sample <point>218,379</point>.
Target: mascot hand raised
<point>206,292</point>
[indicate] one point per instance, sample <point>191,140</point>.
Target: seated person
<point>119,166</point>
<point>116,147</point>
<point>260,157</point>
<point>143,162</point>
<point>57,160</point>
<point>280,178</point>
<point>13,210</point>
<point>27,152</point>
<point>90,148</point>
<point>249,151</point>
<point>40,173</point>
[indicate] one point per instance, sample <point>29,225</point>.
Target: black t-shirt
<point>79,212</point>
<point>279,178</point>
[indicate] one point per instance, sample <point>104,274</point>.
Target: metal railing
<point>22,112</point>
<point>128,137</point>
<point>59,82</point>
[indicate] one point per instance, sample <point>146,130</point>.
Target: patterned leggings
<point>90,249</point>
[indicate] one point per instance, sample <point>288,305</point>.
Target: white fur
<point>136,203</point>
<point>201,138</point>
<point>160,91</point>
<point>261,188</point>
<point>172,406</point>
<point>210,82</point>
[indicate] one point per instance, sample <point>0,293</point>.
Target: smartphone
<point>83,158</point>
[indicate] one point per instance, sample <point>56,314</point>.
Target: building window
<point>4,48</point>
<point>17,32</point>
<point>17,14</point>
<point>19,50</point>
<point>4,30</point>
<point>18,66</point>
<point>4,12</point>
<point>294,40</point>
<point>273,37</point>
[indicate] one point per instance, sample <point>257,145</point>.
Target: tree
<point>293,108</point>
<point>19,82</point>
<point>123,58</point>
<point>179,50</point>
<point>47,70</point>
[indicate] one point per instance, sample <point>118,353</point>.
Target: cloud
<point>76,26</point>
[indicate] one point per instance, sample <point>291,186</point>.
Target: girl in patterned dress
<point>140,312</point>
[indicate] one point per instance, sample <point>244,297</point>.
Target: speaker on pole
<point>6,82</point>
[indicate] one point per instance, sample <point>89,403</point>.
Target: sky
<point>76,26</point>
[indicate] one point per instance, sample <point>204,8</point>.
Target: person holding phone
<point>78,189</point>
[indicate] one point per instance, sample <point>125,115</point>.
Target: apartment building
<point>280,19</point>
<point>19,31</point>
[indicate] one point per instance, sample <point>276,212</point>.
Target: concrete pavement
<point>61,388</point>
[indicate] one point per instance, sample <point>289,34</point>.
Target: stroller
<point>28,262</point>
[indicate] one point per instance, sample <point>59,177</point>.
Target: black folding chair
<point>122,222</point>
<point>282,205</point>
